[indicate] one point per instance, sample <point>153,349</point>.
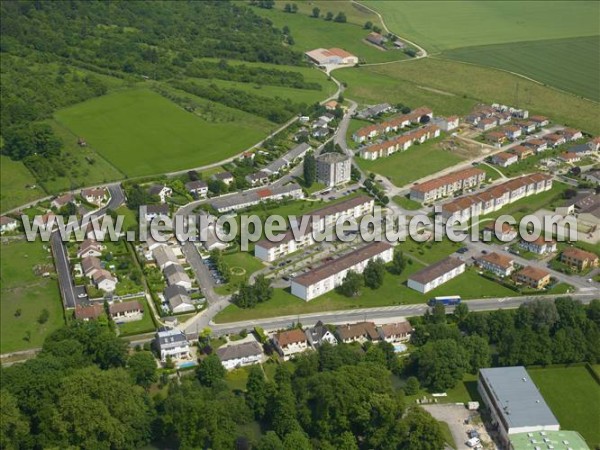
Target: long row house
<point>400,143</point>
<point>419,115</point>
<point>447,185</point>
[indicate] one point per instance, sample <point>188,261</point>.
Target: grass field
<point>310,33</point>
<point>406,203</point>
<point>146,325</point>
<point>452,87</point>
<point>142,133</point>
<point>22,289</point>
<point>574,397</point>
<point>416,162</point>
<point>242,265</point>
<point>577,72</point>
<point>443,25</point>
<point>14,179</point>
<point>393,292</point>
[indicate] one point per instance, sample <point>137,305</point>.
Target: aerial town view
<point>300,225</point>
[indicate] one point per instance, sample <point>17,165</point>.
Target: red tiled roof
<point>448,179</point>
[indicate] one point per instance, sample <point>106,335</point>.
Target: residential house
<point>257,178</point>
<point>538,145</point>
<point>582,149</point>
<point>150,212</point>
<point>376,38</point>
<point>240,355</point>
<point>89,247</point>
<point>253,197</point>
<point>8,224</point>
<point>533,277</point>
<point>569,157</point>
<point>436,274</point>
<point>528,127</point>
<point>290,343</point>
<point>104,280</point>
<point>172,344</point>
<point>320,334</point>
<point>595,144</point>
<point>62,201</point>
<point>178,299</point>
<point>522,152</point>
<point>126,311</point>
<point>374,110</point>
<point>592,176</point>
<point>496,137</point>
<point>331,56</point>
<point>164,256</point>
<point>487,124</point>
<point>357,332</point>
<point>162,191</point>
<point>540,121</point>
<point>95,196</point>
<point>503,231</point>
<point>396,332</point>
<point>331,105</point>
<point>496,263</point>
<point>225,177</point>
<point>539,246</point>
<point>570,134</point>
<point>504,159</point>
<point>320,132</point>
<point>197,188</point>
<point>175,274</point>
<point>448,123</point>
<point>87,313</point>
<point>90,265</point>
<point>579,259</point>
<point>446,185</point>
<point>554,140</point>
<point>512,132</point>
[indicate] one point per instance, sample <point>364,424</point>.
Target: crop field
<point>310,33</point>
<point>408,166</point>
<point>25,293</point>
<point>569,64</point>
<point>574,398</point>
<point>142,133</point>
<point>444,25</point>
<point>452,87</point>
<point>14,181</point>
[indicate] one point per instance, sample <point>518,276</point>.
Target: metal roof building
<point>515,403</point>
<point>548,440</point>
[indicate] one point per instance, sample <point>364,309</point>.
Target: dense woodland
<point>85,390</point>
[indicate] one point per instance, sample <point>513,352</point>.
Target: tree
<point>421,431</point>
<point>438,313</point>
<point>210,371</point>
<point>316,12</point>
<point>142,368</point>
<point>340,18</point>
<point>374,273</point>
<point>461,312</point>
<point>310,170</point>
<point>287,8</point>
<point>441,364</point>
<point>43,317</point>
<point>262,288</point>
<point>398,263</point>
<point>296,440</point>
<point>412,386</point>
<point>368,25</point>
<point>256,392</point>
<point>478,351</point>
<point>270,441</point>
<point>13,426</point>
<point>329,16</point>
<point>351,284</point>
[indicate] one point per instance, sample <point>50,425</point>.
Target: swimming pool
<point>399,348</point>
<point>186,364</point>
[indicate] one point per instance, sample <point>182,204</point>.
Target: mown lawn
<point>441,26</point>
<point>574,398</point>
<point>25,291</point>
<point>15,184</point>
<point>393,292</point>
<point>406,203</point>
<point>142,133</point>
<point>145,325</point>
<point>241,265</point>
<point>417,162</point>
<point>452,87</point>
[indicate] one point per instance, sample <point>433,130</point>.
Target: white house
<point>7,224</point>
<point>539,246</point>
<point>152,211</point>
<point>504,159</point>
<point>104,280</point>
<point>178,299</point>
<point>320,334</point>
<point>95,196</point>
<point>175,274</point>
<point>496,263</point>
<point>436,274</point>
<point>240,355</point>
<point>396,332</point>
<point>126,311</point>
<point>290,343</point>
<point>90,247</point>
<point>357,332</point>
<point>172,343</point>
<point>198,188</point>
<point>163,192</point>
<point>164,256</point>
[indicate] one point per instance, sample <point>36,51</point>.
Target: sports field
<point>25,293</point>
<point>452,87</point>
<point>569,64</point>
<point>310,33</point>
<point>444,25</point>
<point>14,179</point>
<point>574,397</point>
<point>142,133</point>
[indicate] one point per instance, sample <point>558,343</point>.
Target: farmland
<point>452,87</point>
<point>15,180</point>
<point>482,23</point>
<point>537,59</point>
<point>581,411</point>
<point>24,294</point>
<point>348,36</point>
<point>416,162</point>
<point>142,133</point>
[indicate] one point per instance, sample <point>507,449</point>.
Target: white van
<point>473,442</point>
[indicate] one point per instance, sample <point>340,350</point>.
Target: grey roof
<point>238,351</point>
<point>297,152</point>
<point>155,189</point>
<point>170,338</point>
<point>277,165</point>
<point>374,110</point>
<point>157,209</point>
<point>253,196</point>
<point>581,148</point>
<point>223,176</point>
<point>175,273</point>
<point>517,398</point>
<point>332,157</point>
<point>163,255</point>
<point>257,176</point>
<point>434,271</point>
<point>317,332</point>
<point>194,185</point>
<point>173,291</point>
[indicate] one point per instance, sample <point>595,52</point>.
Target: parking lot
<point>214,272</point>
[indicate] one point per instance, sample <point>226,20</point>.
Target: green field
<point>443,25</point>
<point>574,397</point>
<point>22,289</point>
<point>14,179</point>
<point>142,133</point>
<point>416,162</point>
<point>393,292</point>
<point>569,64</point>
<point>452,87</point>
<point>242,265</point>
<point>310,33</point>
<point>146,325</point>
